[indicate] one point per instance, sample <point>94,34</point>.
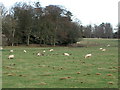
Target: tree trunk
<point>40,42</point>
<point>28,40</point>
<point>12,44</point>
<point>13,35</point>
<point>54,41</point>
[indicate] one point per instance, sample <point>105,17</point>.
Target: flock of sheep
<point>51,50</point>
<point>38,54</point>
<point>102,49</point>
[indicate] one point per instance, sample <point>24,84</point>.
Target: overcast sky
<point>87,11</point>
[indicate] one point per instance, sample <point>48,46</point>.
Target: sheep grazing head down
<point>24,51</point>
<point>108,45</point>
<point>44,51</point>
<point>11,51</point>
<point>88,55</point>
<point>40,54</point>
<point>10,56</point>
<point>66,54</point>
<point>1,48</point>
<point>51,50</point>
<point>103,50</point>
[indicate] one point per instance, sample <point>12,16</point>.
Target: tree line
<point>104,30</point>
<point>52,25</point>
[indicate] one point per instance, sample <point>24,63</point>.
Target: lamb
<point>51,50</point>
<point>10,56</point>
<point>24,51</point>
<point>11,51</point>
<point>66,54</point>
<point>88,55</point>
<point>103,50</point>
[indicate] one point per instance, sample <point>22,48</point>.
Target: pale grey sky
<point>87,11</point>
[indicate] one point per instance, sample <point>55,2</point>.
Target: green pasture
<point>54,70</point>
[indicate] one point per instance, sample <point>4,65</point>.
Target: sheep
<point>51,50</point>
<point>44,51</point>
<point>24,51</point>
<point>10,56</point>
<point>1,48</point>
<point>108,45</point>
<point>103,50</point>
<point>11,51</point>
<point>66,54</point>
<point>88,55</point>
<point>78,42</point>
<point>40,54</point>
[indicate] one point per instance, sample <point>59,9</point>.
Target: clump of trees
<point>52,25</point>
<point>103,30</point>
<point>33,24</point>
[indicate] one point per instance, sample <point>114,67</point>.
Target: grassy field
<point>54,70</point>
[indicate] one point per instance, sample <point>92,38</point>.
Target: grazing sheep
<point>78,42</point>
<point>51,50</point>
<point>1,48</point>
<point>10,56</point>
<point>11,51</point>
<point>66,54</point>
<point>44,51</point>
<point>103,50</point>
<point>108,45</point>
<point>88,55</point>
<point>40,54</point>
<point>24,51</point>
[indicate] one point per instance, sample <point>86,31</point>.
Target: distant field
<point>27,70</point>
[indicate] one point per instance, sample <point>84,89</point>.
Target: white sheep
<point>40,54</point>
<point>103,50</point>
<point>24,51</point>
<point>108,45</point>
<point>66,54</point>
<point>51,50</point>
<point>44,51</point>
<point>88,55</point>
<point>11,51</point>
<point>10,56</point>
<point>1,48</point>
